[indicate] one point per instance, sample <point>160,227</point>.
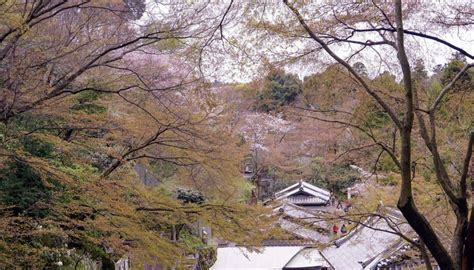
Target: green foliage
<point>77,171</point>
<point>28,122</point>
<point>369,114</point>
<point>189,240</point>
<point>38,147</point>
<point>190,196</point>
<point>389,180</point>
<point>374,117</point>
<point>48,239</point>
<point>88,96</point>
<point>361,69</point>
<point>386,164</point>
<point>89,108</point>
<point>169,44</point>
<point>434,90</point>
<point>330,89</point>
<point>247,188</point>
<point>21,187</point>
<point>85,102</point>
<point>280,89</point>
<point>92,249</point>
<point>342,184</point>
<point>452,69</point>
<point>336,177</point>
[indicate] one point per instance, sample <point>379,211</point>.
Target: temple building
<point>370,243</point>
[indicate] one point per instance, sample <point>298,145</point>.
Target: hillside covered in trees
<point>153,132</point>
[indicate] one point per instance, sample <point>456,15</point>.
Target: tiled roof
<point>268,258</point>
<point>265,258</point>
<point>304,216</point>
<point>305,258</point>
<point>303,213</point>
<point>363,247</point>
<point>306,200</point>
<point>302,231</point>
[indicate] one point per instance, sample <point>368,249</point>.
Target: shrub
<point>190,196</point>
<point>89,108</point>
<point>85,103</point>
<point>37,147</point>
<point>22,188</point>
<point>88,96</point>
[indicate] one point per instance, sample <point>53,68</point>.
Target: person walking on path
<point>343,229</point>
<point>339,205</point>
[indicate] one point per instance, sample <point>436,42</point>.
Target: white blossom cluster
<point>258,127</point>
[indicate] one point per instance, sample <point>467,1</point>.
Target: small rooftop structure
<point>304,194</point>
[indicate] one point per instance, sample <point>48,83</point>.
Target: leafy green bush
<point>89,108</point>
<point>85,103</point>
<point>451,69</point>
<point>88,96</point>
<point>21,187</point>
<point>190,196</point>
<point>78,171</point>
<point>48,239</point>
<point>374,117</point>
<point>30,121</point>
<point>189,240</point>
<point>38,147</point>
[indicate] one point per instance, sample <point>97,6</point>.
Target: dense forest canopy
<point>128,126</point>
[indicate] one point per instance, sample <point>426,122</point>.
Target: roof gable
<point>306,188</point>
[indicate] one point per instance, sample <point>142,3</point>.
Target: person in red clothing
<point>335,229</point>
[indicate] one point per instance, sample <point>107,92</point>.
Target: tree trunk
<point>425,255</point>
<point>68,134</point>
<point>426,232</point>
<point>406,203</point>
<point>408,208</point>
<point>173,233</point>
<point>259,188</point>
<point>457,245</point>
<point>468,256</point>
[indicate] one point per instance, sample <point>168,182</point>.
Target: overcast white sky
<point>228,69</point>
